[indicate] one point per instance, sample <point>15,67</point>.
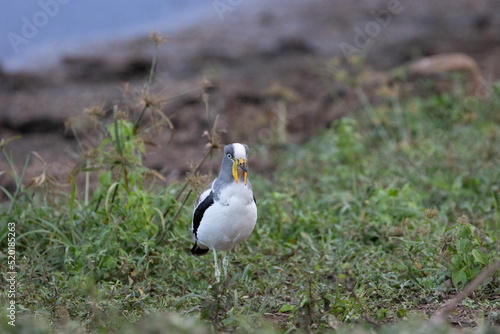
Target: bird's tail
<point>197,251</point>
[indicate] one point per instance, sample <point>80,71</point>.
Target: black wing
<point>200,210</point>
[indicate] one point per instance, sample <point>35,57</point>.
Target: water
<point>34,33</point>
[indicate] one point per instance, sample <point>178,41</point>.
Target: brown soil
<point>251,58</point>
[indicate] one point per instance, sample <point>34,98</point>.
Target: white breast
<point>229,220</point>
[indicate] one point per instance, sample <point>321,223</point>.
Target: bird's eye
<point>229,156</point>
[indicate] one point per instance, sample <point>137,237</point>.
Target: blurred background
<point>269,67</point>
<point>37,33</point>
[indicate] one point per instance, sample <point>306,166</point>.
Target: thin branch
<point>139,118</point>
<point>441,315</point>
<point>117,132</point>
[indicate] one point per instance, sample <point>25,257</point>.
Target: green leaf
<point>462,245</point>
<point>109,262</point>
<point>393,192</point>
<point>381,314</point>
<point>457,260</point>
<point>479,256</point>
<point>401,313</point>
<point>285,308</point>
<point>459,277</point>
<point>464,232</point>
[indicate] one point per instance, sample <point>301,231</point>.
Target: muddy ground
<point>255,60</point>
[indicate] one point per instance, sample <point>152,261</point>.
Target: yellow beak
<point>242,163</point>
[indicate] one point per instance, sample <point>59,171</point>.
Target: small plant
<point>469,256</point>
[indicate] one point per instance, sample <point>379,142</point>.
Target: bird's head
<point>237,154</point>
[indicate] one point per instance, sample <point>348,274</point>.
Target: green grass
<point>385,215</point>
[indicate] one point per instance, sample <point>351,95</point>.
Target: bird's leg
<point>217,271</point>
<point>224,263</point>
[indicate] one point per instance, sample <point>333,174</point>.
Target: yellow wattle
<point>235,171</point>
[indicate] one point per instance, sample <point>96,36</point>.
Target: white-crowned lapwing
<point>225,213</point>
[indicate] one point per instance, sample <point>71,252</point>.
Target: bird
<point>225,213</point>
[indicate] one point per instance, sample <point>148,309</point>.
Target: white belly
<point>223,226</point>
